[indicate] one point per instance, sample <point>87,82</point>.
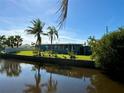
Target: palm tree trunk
<point>17,44</point>
<point>51,42</point>
<point>39,44</point>
<point>12,46</point>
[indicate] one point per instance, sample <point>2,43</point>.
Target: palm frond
<point>63,12</point>
<point>56,32</point>
<point>36,29</point>
<point>52,33</point>
<point>45,34</point>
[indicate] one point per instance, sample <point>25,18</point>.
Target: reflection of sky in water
<point>24,66</point>
<point>72,80</point>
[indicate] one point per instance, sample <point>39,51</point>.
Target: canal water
<point>25,77</point>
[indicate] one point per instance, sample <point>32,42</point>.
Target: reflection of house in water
<point>72,72</point>
<point>65,48</point>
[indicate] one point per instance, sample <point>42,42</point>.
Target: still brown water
<point>19,77</point>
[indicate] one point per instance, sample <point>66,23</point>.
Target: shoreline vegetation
<point>49,55</point>
<point>48,60</point>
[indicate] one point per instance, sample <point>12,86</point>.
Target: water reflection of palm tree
<point>37,87</point>
<point>10,68</point>
<point>52,85</point>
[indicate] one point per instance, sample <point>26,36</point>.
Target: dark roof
<point>62,44</point>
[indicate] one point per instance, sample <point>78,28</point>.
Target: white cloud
<point>32,6</point>
<point>24,11</point>
<point>64,36</point>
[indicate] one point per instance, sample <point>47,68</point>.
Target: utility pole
<point>107,30</point>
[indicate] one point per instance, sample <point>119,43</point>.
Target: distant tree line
<point>10,41</point>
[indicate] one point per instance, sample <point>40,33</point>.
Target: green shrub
<point>64,57</point>
<point>72,55</point>
<point>55,55</point>
<point>108,51</point>
<point>35,52</point>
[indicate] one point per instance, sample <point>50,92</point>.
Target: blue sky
<point>85,18</point>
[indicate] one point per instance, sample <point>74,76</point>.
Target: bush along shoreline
<point>108,52</point>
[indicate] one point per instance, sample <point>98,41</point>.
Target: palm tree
<point>63,12</point>
<point>52,33</point>
<point>37,30</point>
<point>18,40</point>
<point>2,41</point>
<point>10,41</point>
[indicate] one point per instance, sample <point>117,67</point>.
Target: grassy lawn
<point>26,53</point>
<point>63,56</point>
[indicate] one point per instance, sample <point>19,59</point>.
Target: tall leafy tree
<point>52,33</point>
<point>2,41</point>
<point>108,52</point>
<point>18,40</point>
<point>36,30</point>
<point>10,41</point>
